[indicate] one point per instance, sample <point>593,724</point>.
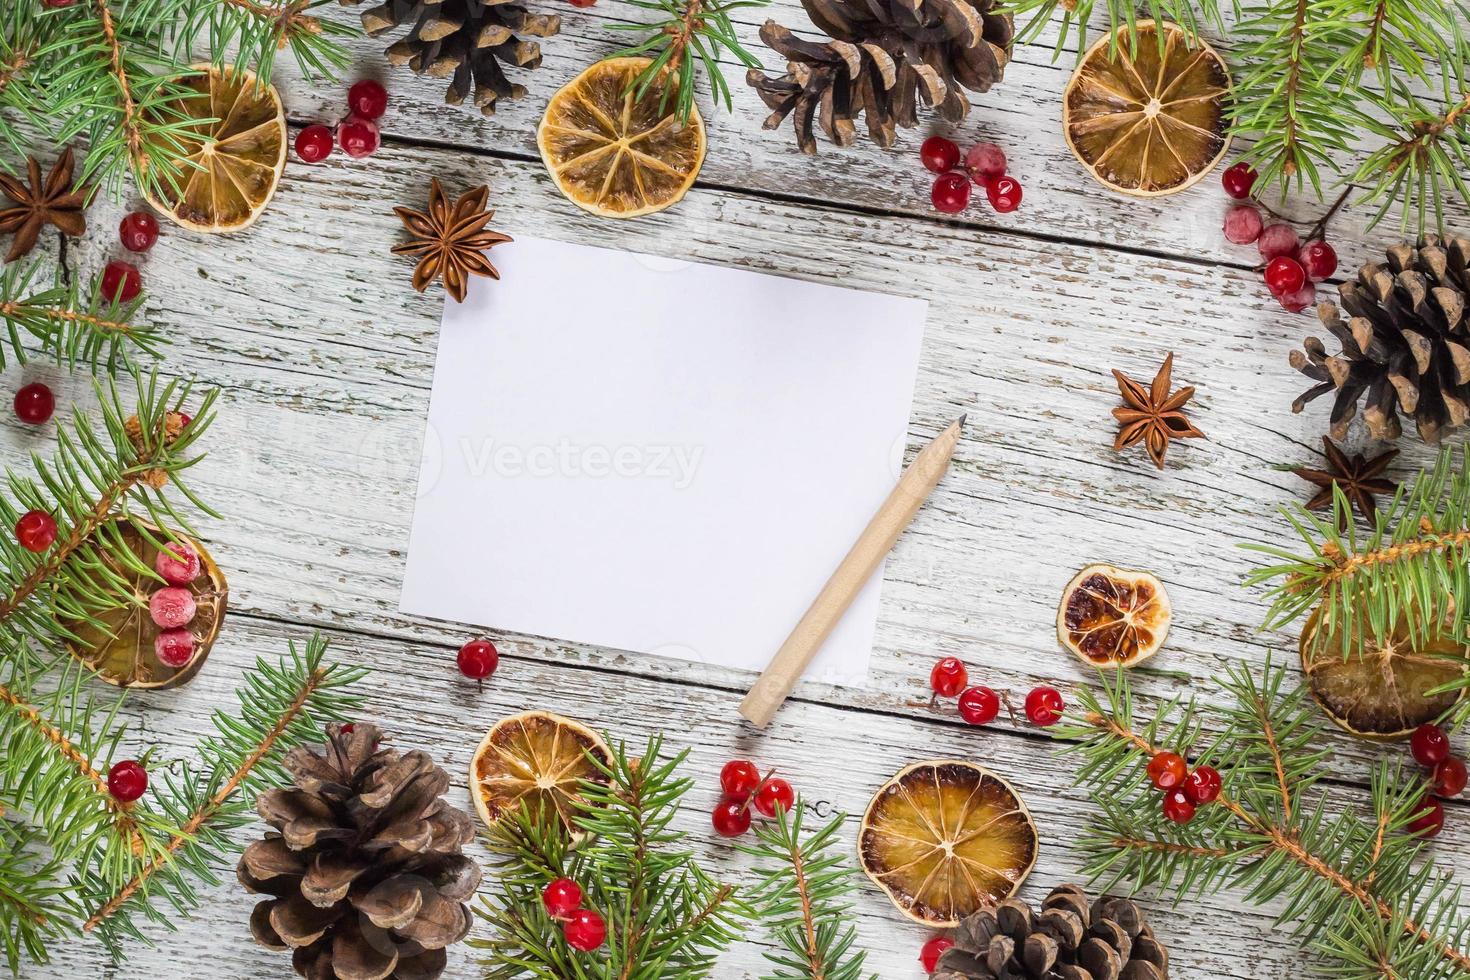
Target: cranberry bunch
<point>743,787</point>
<point>583,929</point>
<point>979,705</point>
<point>1292,268</point>
<point>1430,747</point>
<point>172,607</point>
<point>477,659</point>
<point>121,281</point>
<point>1184,791</point>
<point>984,164</point>
<point>358,134</point>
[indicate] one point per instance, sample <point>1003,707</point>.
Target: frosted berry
<point>1318,258</point>
<point>1277,239</point>
<point>358,137</point>
<point>585,930</point>
<point>1430,745</point>
<point>939,154</point>
<point>951,193</point>
<point>740,778</point>
<point>314,143</point>
<point>948,677</point>
<point>127,781</point>
<point>367,99</point>
<point>1167,770</point>
<point>979,705</point>
<point>34,403</point>
<point>562,897</point>
<point>1178,807</point>
<point>1449,778</point>
<point>1044,706</point>
<point>1203,785</point>
<point>121,282</point>
<point>1004,194</point>
<point>477,659</point>
<point>774,794</point>
<point>177,563</point>
<point>1299,300</point>
<point>175,648</point>
<point>138,231</point>
<point>172,607</point>
<point>1243,224</point>
<point>731,817</point>
<point>931,951</point>
<point>985,162</point>
<point>1429,819</point>
<point>1284,275</point>
<point>36,530</point>
<point>1239,181</point>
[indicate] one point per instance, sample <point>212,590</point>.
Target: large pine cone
<point>885,56</point>
<point>466,41</point>
<point>367,870</point>
<point>1405,345</point>
<point>1067,940</point>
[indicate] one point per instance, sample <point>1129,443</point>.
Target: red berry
<point>1239,180</point>
<point>1299,300</point>
<point>57,4</point>
<point>985,162</point>
<point>1044,706</point>
<point>951,193</point>
<point>36,530</point>
<point>127,781</point>
<point>562,897</point>
<point>1202,786</point>
<point>1430,745</point>
<point>932,950</point>
<point>1277,239</point>
<point>582,4</point>
<point>1167,770</point>
<point>314,143</point>
<point>979,705</point>
<point>731,817</point>
<point>775,793</point>
<point>175,647</point>
<point>948,677</point>
<point>1285,275</point>
<point>1429,819</point>
<point>1318,258</point>
<point>34,403</point>
<point>1004,194</point>
<point>172,607</point>
<point>939,154</point>
<point>367,99</point>
<point>584,930</point>
<point>1449,778</point>
<point>138,231</point>
<point>358,137</point>
<point>121,282</point>
<point>740,778</point>
<point>477,659</point>
<point>1242,224</point>
<point>177,563</point>
<point>1177,806</point>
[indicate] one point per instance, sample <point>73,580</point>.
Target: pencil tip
<point>961,422</point>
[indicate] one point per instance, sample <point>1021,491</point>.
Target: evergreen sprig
<point>1078,16</point>
<point>803,898</point>
<point>76,326</point>
<point>679,27</point>
<point>34,899</point>
<point>1356,887</point>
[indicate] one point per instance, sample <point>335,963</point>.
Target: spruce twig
<point>74,326</point>
<point>703,27</point>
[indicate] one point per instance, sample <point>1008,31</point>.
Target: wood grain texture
<point>324,356</point>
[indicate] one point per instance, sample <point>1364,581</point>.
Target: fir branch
<point>75,327</point>
<point>1078,15</point>
<point>703,27</point>
<point>34,901</point>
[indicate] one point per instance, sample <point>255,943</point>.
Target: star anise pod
<point>52,201</point>
<point>1359,477</point>
<point>450,241</point>
<point>1153,415</point>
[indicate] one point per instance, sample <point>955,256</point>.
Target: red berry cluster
<point>985,164</point>
<point>1184,791</point>
<point>172,607</point>
<point>358,134</point>
<point>1292,268</point>
<point>121,281</point>
<point>742,787</point>
<point>477,659</point>
<point>979,705</point>
<point>583,929</point>
<point>1430,747</point>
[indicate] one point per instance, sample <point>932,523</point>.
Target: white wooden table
<point>325,356</point>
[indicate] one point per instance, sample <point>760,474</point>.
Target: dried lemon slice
<point>1143,123</point>
<point>536,758</point>
<point>1111,617</point>
<point>612,154</point>
<point>232,172</point>
<point>945,839</point>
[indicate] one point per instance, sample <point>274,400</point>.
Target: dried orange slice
<point>119,644</point>
<point>1381,693</point>
<point>1143,123</point>
<point>944,839</point>
<point>1111,617</point>
<point>615,155</point>
<point>538,758</point>
<point>235,164</point>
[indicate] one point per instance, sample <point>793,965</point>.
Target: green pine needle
<point>683,35</point>
<point>77,327</point>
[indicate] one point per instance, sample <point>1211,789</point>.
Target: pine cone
<point>885,56</point>
<point>367,874</point>
<point>1067,940</point>
<point>1405,347</point>
<point>466,39</point>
